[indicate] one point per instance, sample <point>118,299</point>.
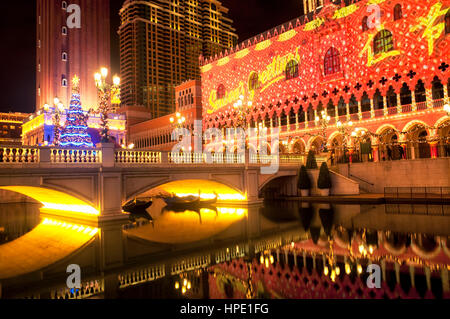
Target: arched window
<point>64,5</point>
<point>383,42</point>
<point>64,82</point>
<point>447,22</point>
<point>253,82</point>
<point>332,62</point>
<point>398,12</point>
<point>365,24</point>
<point>291,70</point>
<point>221,92</point>
<point>64,30</point>
<point>64,56</point>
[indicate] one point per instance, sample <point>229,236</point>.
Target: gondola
<point>188,201</point>
<point>137,208</point>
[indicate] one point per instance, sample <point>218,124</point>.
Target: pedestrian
<point>447,148</point>
<point>389,152</point>
<point>401,151</point>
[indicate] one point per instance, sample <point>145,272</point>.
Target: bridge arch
<point>184,187</point>
<point>55,200</point>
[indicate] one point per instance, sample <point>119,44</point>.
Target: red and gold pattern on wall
<point>330,55</point>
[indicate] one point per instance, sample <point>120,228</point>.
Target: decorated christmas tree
<point>75,132</point>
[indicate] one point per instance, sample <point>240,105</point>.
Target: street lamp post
<point>323,121</point>
<point>107,93</point>
<point>344,129</point>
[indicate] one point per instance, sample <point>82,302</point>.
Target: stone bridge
<point>93,184</point>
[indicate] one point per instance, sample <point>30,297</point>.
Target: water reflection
<point>180,226</point>
<point>17,219</point>
<point>277,250</point>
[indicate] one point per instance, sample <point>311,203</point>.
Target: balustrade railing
<point>392,110</point>
<point>421,106</point>
<point>379,113</point>
<point>19,154</point>
<point>140,276</point>
<point>406,108</point>
<point>137,157</point>
<point>366,115</point>
<point>74,156</point>
<point>438,103</point>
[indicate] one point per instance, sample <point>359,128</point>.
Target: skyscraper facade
<point>73,38</point>
<point>160,45</point>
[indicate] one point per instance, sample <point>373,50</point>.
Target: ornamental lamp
<point>98,77</point>
<point>104,72</point>
<point>447,109</point>
<point>116,80</point>
<point>56,101</point>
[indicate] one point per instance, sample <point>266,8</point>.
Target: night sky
<point>18,38</point>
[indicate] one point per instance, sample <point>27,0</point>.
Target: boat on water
<point>137,208</point>
<point>189,201</point>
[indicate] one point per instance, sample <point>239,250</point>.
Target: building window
<point>383,42</point>
<point>64,5</point>
<point>447,22</point>
<point>398,12</point>
<point>253,82</point>
<point>332,62</point>
<point>64,82</point>
<point>365,24</point>
<point>64,56</point>
<point>64,30</point>
<point>221,91</point>
<point>291,70</point>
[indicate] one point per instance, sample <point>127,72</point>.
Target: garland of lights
<point>75,132</point>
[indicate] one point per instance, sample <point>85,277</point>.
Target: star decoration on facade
<point>75,81</point>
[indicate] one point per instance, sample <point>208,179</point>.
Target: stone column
<point>296,120</point>
<point>347,110</point>
<point>434,149</point>
<point>429,95</point>
<point>336,112</point>
<point>360,110</point>
<point>399,103</point>
<point>446,100</point>
<point>385,105</point>
<point>372,108</point>
<point>375,153</point>
<point>413,101</point>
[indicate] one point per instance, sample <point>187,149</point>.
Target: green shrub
<point>324,180</point>
<point>304,181</point>
<point>311,161</point>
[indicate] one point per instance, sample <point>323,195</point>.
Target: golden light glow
<point>104,72</point>
<point>241,54</point>
<point>97,77</point>
<point>191,188</point>
<point>186,227</point>
<point>177,285</point>
<point>75,82</point>
<point>116,80</point>
<point>223,61</point>
<point>348,269</point>
<point>50,242</point>
<point>263,45</point>
<point>325,271</point>
<point>54,200</point>
<point>359,269</point>
<point>287,35</point>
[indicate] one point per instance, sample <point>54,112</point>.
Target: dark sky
<point>18,39</point>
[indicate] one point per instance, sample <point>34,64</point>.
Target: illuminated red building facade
<point>341,80</point>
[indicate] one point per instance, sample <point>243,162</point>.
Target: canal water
<point>279,249</point>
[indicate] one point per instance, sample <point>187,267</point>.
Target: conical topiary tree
<point>324,180</point>
<point>311,160</point>
<point>304,182</point>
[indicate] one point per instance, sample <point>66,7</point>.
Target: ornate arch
<point>412,123</point>
<point>384,127</point>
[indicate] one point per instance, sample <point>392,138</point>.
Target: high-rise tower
<point>160,45</point>
<point>73,38</point>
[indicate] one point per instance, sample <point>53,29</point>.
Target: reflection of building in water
<point>17,219</point>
